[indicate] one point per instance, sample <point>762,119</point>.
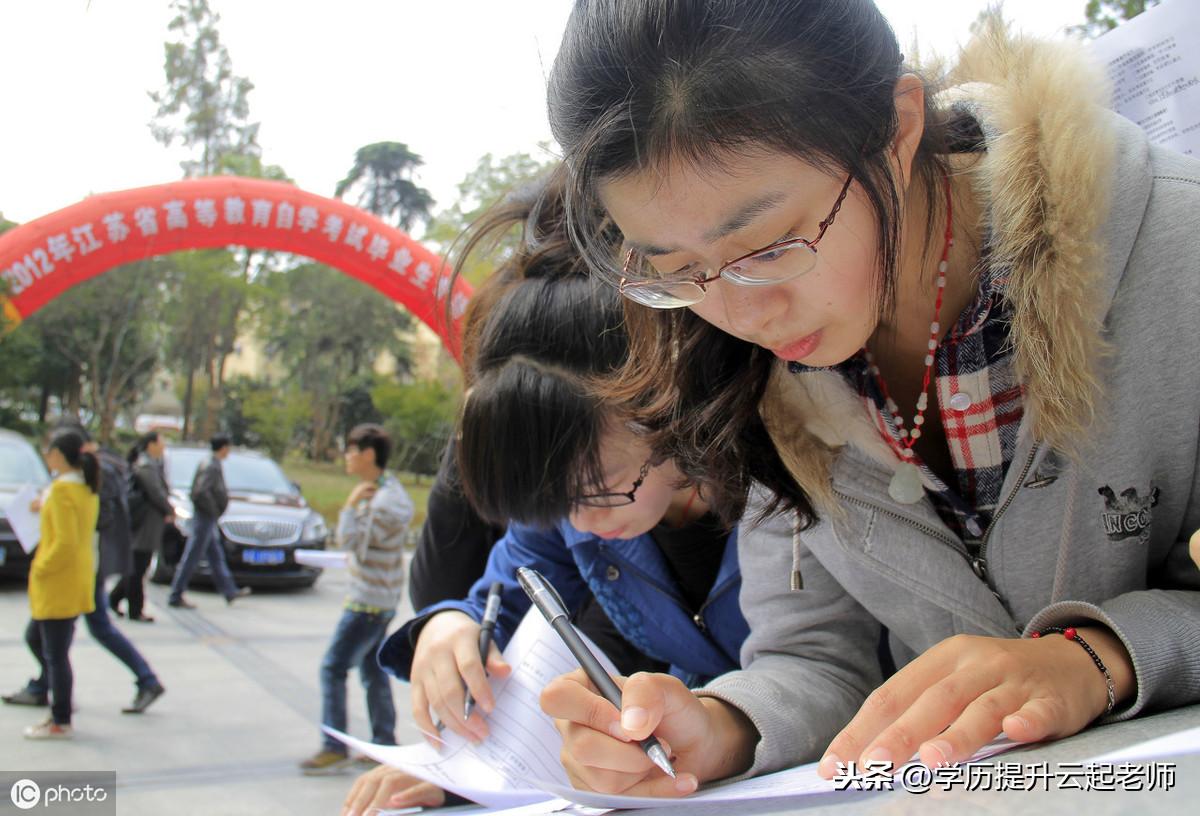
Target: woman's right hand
<point>706,738</point>
<point>386,788</point>
<point>447,655</point>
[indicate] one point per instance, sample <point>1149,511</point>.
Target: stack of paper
<point>518,765</point>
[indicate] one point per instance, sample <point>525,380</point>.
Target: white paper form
<point>26,524</point>
<point>1154,67</point>
<point>562,807</point>
<point>799,781</point>
<point>523,744</point>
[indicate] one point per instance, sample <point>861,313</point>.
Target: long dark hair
<point>535,349</point>
<point>638,83</point>
<point>70,444</point>
<point>139,447</point>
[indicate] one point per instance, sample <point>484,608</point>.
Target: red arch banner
<point>44,258</point>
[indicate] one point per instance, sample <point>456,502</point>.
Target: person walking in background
<point>150,512</point>
<point>209,500</point>
<point>113,527</point>
<point>371,528</point>
<point>62,575</point>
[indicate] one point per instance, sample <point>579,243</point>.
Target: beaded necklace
<point>906,486</point>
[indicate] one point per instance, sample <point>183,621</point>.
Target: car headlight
<point>315,529</point>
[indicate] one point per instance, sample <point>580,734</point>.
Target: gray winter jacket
<point>1099,231</point>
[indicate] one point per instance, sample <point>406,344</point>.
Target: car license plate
<point>263,556</point>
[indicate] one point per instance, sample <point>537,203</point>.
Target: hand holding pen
<point>445,658</point>
<point>491,613</point>
<point>546,599</point>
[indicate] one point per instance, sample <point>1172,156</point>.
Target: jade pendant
<point>906,487</point>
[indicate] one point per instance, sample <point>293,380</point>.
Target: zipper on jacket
<point>979,563</point>
<point>713,595</point>
<point>976,564</point>
<point>924,528</point>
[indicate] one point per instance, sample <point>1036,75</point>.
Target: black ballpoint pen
<point>490,614</point>
<point>546,599</point>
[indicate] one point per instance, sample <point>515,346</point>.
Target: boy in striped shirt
<point>371,529</point>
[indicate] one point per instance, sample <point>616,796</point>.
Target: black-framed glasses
<point>616,499</point>
<point>775,263</point>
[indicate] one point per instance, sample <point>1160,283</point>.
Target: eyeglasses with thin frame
<point>775,263</point>
<point>616,499</point>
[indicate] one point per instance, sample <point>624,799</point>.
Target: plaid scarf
<point>974,370</point>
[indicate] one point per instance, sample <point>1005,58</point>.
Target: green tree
<point>109,333</point>
<point>326,330</point>
<point>31,374</point>
<point>487,184</point>
<point>1105,15</point>
<point>382,177</point>
<point>240,293</point>
<point>206,292</point>
<point>276,418</point>
<point>420,417</point>
<point>204,104</point>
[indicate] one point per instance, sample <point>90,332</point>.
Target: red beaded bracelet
<point>1070,633</point>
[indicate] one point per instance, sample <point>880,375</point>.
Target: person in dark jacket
<point>454,544</point>
<point>150,512</point>
<point>209,500</point>
<point>113,528</point>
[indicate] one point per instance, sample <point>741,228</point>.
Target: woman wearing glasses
<point>967,322</point>
<point>587,502</point>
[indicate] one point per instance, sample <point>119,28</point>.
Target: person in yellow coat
<point>61,576</point>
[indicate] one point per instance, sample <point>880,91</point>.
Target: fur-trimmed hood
<point>1045,184</point>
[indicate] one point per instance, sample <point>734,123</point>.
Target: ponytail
<point>91,470</point>
<point>70,444</point>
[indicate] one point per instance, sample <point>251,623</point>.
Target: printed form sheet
<point>1154,67</point>
<point>523,745</point>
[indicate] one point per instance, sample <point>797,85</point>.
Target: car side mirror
<point>297,486</point>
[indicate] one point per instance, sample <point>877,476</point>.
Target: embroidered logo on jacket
<point>1128,515</point>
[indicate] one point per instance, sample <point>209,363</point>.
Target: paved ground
<point>241,708</point>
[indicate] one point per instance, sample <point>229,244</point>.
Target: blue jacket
<point>630,579</point>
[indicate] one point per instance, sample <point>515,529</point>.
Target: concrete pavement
<point>242,705</point>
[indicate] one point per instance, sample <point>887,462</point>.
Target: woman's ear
<point>910,119</point>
